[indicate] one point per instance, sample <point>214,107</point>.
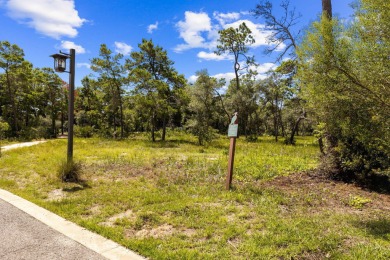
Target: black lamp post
<point>60,66</point>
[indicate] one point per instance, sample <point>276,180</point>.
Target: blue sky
<point>186,29</point>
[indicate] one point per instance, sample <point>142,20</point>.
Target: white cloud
<point>83,64</point>
<point>192,79</point>
<point>212,56</point>
<point>227,76</point>
<point>53,18</point>
<point>123,48</point>
<point>198,31</point>
<point>223,18</point>
<point>259,33</point>
<point>263,69</point>
<point>71,45</point>
<point>191,30</point>
<point>152,27</point>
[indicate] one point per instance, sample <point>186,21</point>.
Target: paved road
<point>24,237</point>
<point>14,146</point>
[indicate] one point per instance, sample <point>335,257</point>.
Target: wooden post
<point>232,149</point>
<point>232,133</point>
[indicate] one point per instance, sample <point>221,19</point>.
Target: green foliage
<point>358,202</point>
<point>4,126</point>
<point>236,42</point>
<point>27,94</point>
<point>111,80</point>
<point>157,85</point>
<point>43,129</point>
<point>343,77</point>
<point>339,93</point>
<point>89,104</point>
<point>53,93</point>
<point>83,131</point>
<point>203,107</point>
<point>245,101</point>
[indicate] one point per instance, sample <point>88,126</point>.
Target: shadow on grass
<point>379,183</point>
<point>373,182</point>
<point>81,185</point>
<point>169,143</point>
<point>379,228</point>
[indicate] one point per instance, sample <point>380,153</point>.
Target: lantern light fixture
<point>59,62</point>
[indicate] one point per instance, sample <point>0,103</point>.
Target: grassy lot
<point>167,200</point>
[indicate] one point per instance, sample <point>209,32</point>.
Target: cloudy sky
<point>186,29</point>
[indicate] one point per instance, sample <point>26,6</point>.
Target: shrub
<point>69,171</point>
<point>83,131</point>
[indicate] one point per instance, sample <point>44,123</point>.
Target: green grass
<point>167,200</point>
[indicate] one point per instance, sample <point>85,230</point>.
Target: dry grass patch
<point>127,215</point>
<point>56,195</point>
<point>323,194</point>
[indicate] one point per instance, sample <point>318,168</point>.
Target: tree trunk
<point>118,89</point>
<point>164,128</point>
<point>327,8</point>
<point>276,127</point>
<point>236,68</point>
<point>53,126</point>
<point>281,122</point>
<point>114,124</point>
<point>329,50</point>
<point>153,126</point>
<point>27,118</point>
<point>62,122</point>
<point>295,129</point>
<point>321,145</point>
<point>14,125</point>
<point>121,118</point>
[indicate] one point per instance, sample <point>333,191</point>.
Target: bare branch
<point>280,28</point>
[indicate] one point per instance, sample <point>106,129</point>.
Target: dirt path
<point>14,146</point>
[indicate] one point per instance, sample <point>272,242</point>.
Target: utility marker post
<point>232,134</point>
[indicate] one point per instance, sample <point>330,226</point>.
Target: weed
<point>358,202</point>
<point>69,171</point>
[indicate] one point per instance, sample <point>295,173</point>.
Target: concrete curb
<point>97,243</point>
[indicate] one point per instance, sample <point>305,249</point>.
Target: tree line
<point>334,83</point>
<point>143,93</point>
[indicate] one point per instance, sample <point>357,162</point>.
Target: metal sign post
<point>232,134</point>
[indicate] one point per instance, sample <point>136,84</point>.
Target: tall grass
<point>167,200</point>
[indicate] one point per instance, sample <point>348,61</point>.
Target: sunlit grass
<point>167,200</point>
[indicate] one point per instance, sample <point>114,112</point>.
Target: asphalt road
<point>24,237</point>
